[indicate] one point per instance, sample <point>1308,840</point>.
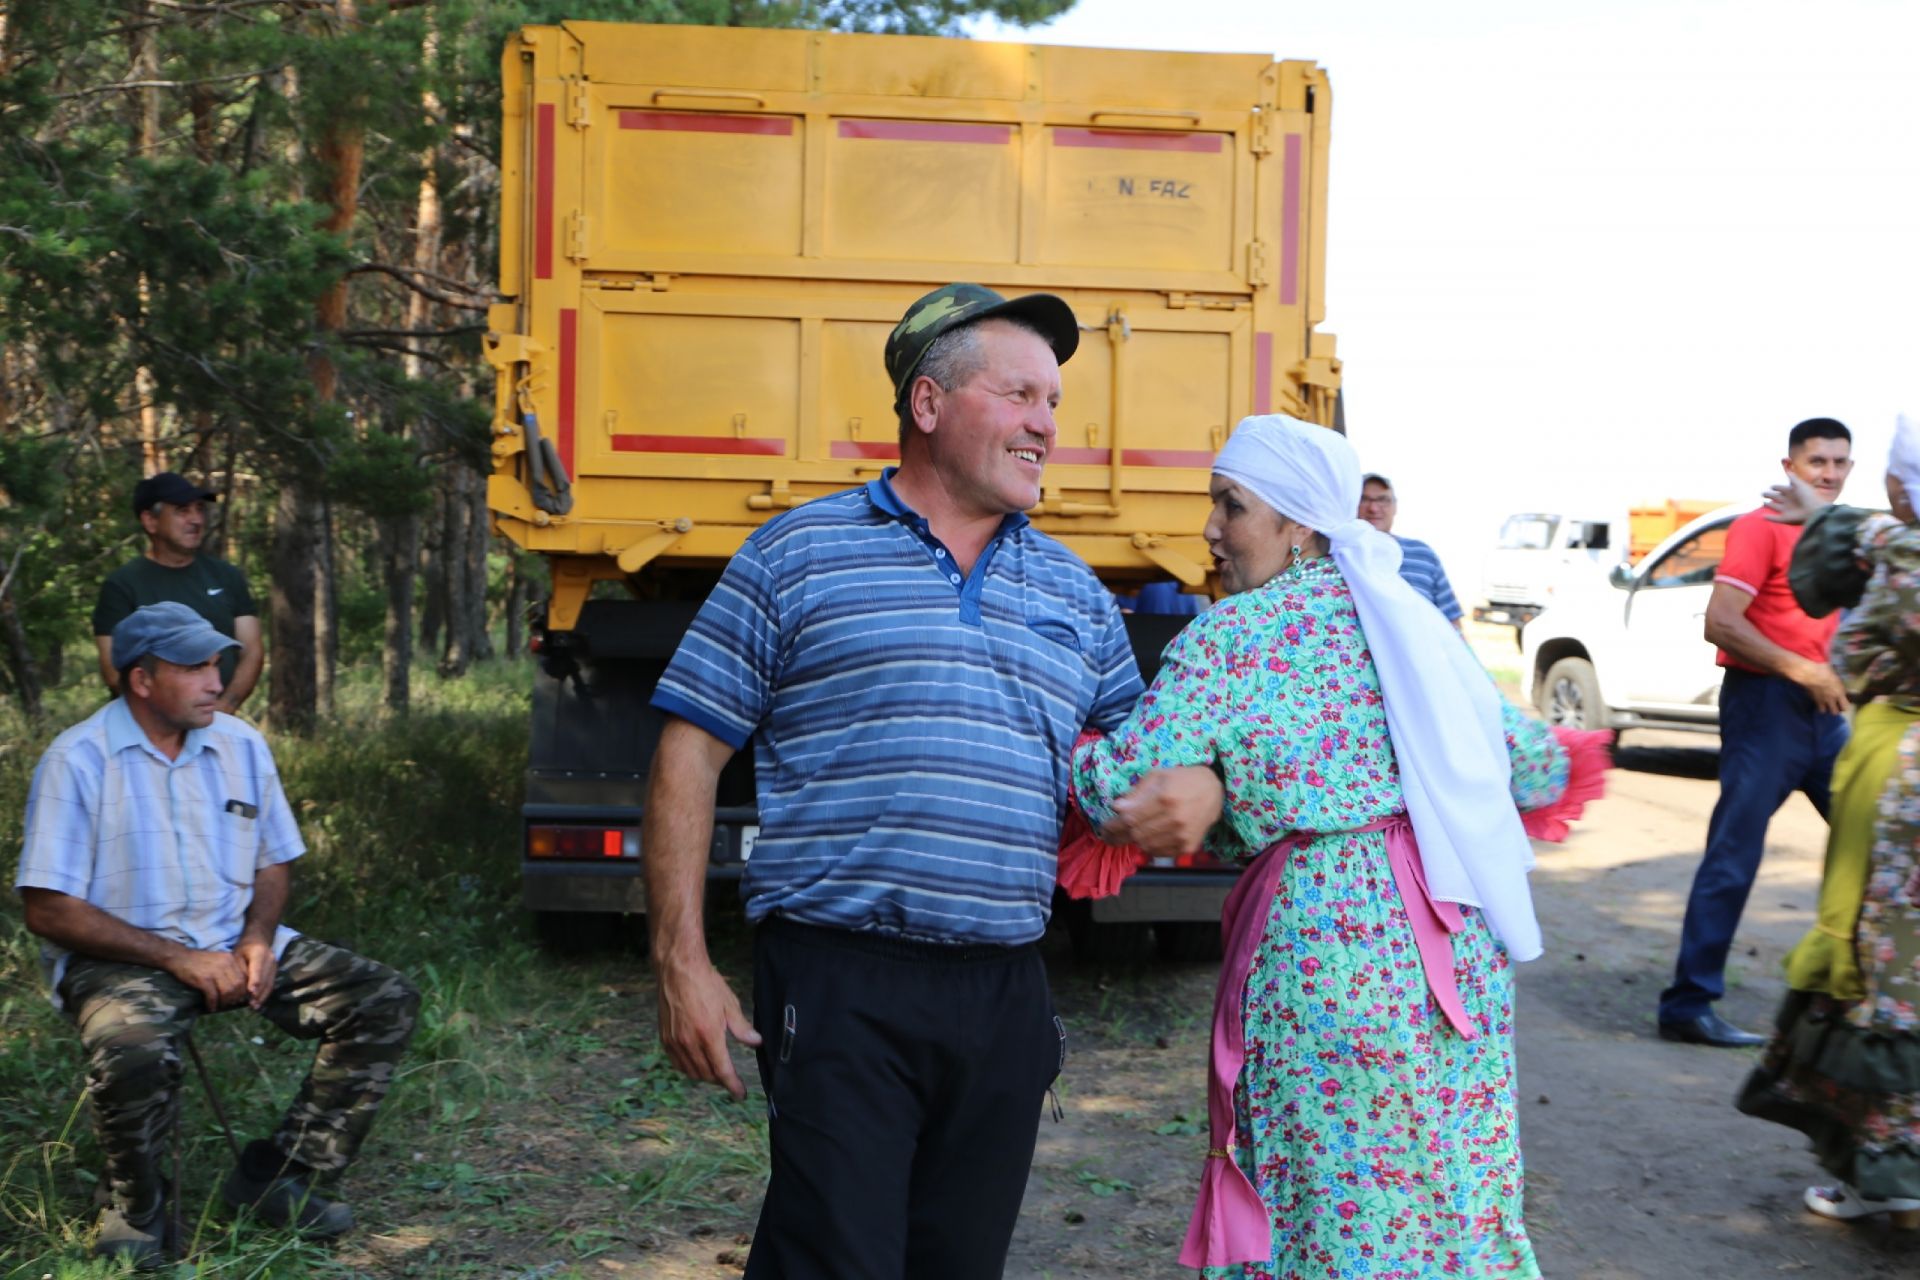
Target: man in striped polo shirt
<point>1419,565</point>
<point>912,662</point>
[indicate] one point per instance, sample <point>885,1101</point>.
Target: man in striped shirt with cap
<point>912,661</point>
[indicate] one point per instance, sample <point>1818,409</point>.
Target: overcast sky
<point>1594,254</point>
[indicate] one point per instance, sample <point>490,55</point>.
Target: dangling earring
<point>1296,557</point>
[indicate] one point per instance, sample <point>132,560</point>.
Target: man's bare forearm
<point>675,836</point>
<point>270,888</point>
<point>84,929</point>
<point>253,658</point>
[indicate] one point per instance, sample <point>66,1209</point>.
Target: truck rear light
<point>583,842</point>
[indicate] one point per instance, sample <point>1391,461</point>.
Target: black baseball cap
<point>170,487</point>
<point>952,305</point>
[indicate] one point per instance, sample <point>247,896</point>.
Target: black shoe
<point>1710,1028</point>
<point>286,1200</point>
<point>137,1242</point>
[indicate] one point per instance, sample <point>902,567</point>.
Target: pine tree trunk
<point>516,606</point>
<point>479,540</point>
<point>400,535</point>
<point>458,653</point>
<point>433,568</point>
<point>340,152</point>
<point>146,67</point>
<point>399,555</point>
<point>291,692</point>
<point>326,613</point>
<point>20,663</point>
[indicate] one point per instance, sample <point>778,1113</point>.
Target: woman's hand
<point>1793,502</point>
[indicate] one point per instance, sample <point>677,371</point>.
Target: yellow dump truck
<point>706,235</point>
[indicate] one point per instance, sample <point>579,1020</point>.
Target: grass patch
<point>535,1125</point>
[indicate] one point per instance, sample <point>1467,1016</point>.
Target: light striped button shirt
<point>170,846</point>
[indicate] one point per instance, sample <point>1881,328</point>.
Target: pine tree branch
<point>456,331</point>
<point>411,278</point>
<point>360,339</point>
<point>164,84</point>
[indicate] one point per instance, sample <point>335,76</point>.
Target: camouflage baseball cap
<point>950,306</point>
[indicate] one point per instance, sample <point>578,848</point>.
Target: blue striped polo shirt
<point>912,725</point>
<point>1421,568</point>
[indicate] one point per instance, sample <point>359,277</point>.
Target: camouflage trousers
<point>131,1020</point>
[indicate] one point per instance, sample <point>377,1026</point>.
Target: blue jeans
<point>1772,743</point>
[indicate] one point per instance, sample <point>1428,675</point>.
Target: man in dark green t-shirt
<point>173,511</point>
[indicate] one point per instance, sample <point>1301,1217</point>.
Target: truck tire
<point>1188,941</point>
<point>583,933</point>
<point>1570,695</point>
<point>1124,943</point>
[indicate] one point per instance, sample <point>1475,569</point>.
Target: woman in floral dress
<point>1843,1066</point>
<point>1362,1080</point>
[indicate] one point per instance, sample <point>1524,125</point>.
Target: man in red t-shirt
<point>1782,723</point>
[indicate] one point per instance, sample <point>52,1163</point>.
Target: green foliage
<point>533,1107</point>
<point>164,279</point>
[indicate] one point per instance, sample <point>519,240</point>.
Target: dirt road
<point>1638,1166</point>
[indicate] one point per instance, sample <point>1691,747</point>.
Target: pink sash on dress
<point>1230,1222</point>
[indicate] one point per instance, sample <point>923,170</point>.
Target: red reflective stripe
<point>1263,373</point>
<point>1290,223</point>
<point>926,131</point>
<point>1078,457</point>
<point>1167,457</point>
<point>543,193</point>
<point>569,334</point>
<point>1137,140</point>
<point>864,449</point>
<point>610,844</point>
<point>693,122</point>
<point>763,446</point>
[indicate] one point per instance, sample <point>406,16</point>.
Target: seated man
<point>155,869</point>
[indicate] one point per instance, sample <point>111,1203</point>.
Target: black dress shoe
<point>1710,1028</point>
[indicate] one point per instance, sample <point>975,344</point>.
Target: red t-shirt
<point>1758,553</point>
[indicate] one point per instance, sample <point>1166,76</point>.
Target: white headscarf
<point>1443,713</point>
<point>1904,460</point>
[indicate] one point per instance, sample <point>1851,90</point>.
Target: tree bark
<point>146,66</point>
<point>433,569</point>
<point>399,554</point>
<point>20,663</point>
<point>326,612</point>
<point>479,541</point>
<point>400,535</point>
<point>516,587</point>
<point>454,539</point>
<point>340,152</point>
<point>291,692</point>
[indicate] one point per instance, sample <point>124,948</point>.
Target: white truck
<point>1628,650</point>
<point>1539,549</point>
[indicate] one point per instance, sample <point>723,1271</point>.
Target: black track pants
<point>904,1084</point>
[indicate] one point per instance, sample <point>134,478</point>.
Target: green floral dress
<point>1385,1145</point>
<point>1843,1066</point>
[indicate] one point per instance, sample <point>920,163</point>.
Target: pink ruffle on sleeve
<point>1589,756</point>
<point>1089,866</point>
